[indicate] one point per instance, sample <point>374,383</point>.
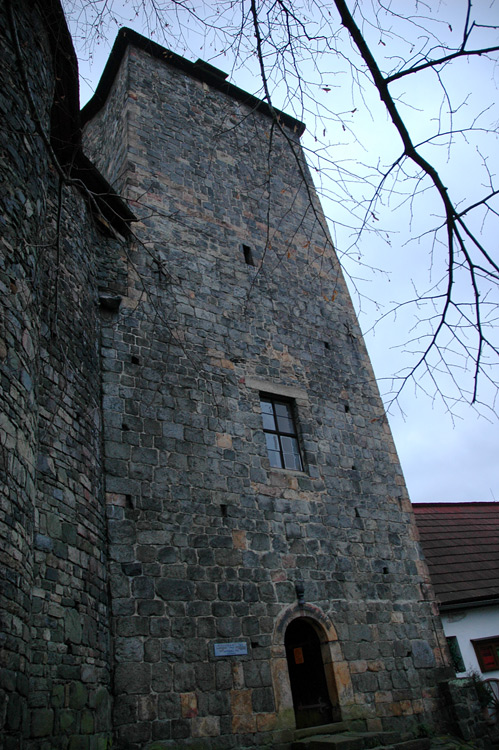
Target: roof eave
<point>468,604</point>
<point>65,128</point>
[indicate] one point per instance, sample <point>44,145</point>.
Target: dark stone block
<point>150,607</point>
<point>184,677</point>
<point>167,555</point>
<point>162,677</point>
<point>175,589</point>
<point>263,700</point>
<point>257,674</point>
<point>422,654</point>
<point>230,592</point>
<point>181,728</point>
<point>161,730</point>
<point>159,626</point>
<point>131,681</point>
<point>143,587</point>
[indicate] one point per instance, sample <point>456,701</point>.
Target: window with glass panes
<point>280,433</point>
<point>487,652</point>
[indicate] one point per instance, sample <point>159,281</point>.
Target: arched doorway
<point>312,700</point>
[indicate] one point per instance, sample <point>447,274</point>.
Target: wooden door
<point>309,688</point>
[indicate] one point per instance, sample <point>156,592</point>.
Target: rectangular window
<point>280,433</point>
<point>487,653</point>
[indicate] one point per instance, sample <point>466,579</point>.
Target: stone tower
<point>263,566</point>
<point>206,540</point>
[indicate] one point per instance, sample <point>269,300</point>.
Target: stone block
<point>132,680</point>
<point>78,695</point>
<point>269,722</point>
<point>422,654</point>
<point>42,722</point>
<point>206,726</point>
<point>147,708</point>
<point>143,587</point>
<point>230,591</point>
<point>161,677</point>
<point>244,723</point>
<point>184,677</point>
<point>129,650</point>
<point>125,709</point>
<point>160,730</point>
<point>150,608</point>
<point>263,700</point>
<point>67,720</point>
<point>240,701</point>
<point>257,674</point>
<point>79,742</point>
<point>87,723</point>
<point>152,650</point>
<point>228,627</point>
<point>188,705</point>
<point>72,626</point>
<point>181,728</point>
<point>169,706</point>
<point>172,650</point>
<point>175,589</point>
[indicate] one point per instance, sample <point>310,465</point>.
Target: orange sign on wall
<point>298,654</point>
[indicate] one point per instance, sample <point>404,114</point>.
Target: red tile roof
<point>461,545</point>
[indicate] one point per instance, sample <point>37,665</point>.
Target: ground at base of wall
<point>384,741</point>
<point>447,742</point>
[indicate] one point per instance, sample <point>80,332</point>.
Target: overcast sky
<point>445,457</point>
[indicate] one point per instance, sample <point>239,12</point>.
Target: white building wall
<point>468,625</point>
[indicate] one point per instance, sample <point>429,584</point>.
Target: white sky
<point>445,458</point>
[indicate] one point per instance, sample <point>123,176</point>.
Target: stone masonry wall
<point>465,704</point>
<point>207,541</point>
<point>110,147</point>
<point>22,206</point>
<point>55,665</point>
<point>70,670</point>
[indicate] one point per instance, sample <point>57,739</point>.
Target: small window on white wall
<point>487,653</point>
<point>455,654</point>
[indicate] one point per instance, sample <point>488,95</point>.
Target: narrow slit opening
<point>248,255</point>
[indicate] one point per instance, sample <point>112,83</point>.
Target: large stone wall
<point>22,205</point>
<point>207,541</point>
<point>55,666</point>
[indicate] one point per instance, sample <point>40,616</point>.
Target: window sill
<point>292,472</point>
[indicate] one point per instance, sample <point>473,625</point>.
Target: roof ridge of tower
<point>200,70</point>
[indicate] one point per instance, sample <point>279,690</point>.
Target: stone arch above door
<point>335,666</point>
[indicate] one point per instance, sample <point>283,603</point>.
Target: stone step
<point>349,740</point>
<point>338,727</point>
<point>421,743</point>
<point>352,740</point>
